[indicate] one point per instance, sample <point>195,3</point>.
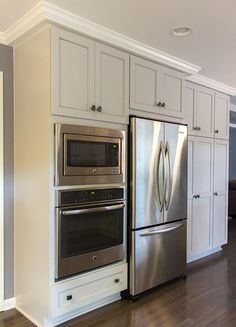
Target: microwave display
<point>92,154</point>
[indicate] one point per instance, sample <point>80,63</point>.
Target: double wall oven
<point>89,220</point>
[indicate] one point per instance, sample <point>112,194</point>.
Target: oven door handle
<point>98,209</point>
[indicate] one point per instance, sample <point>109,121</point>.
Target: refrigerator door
<point>147,172</point>
<point>158,255</point>
<point>176,172</point>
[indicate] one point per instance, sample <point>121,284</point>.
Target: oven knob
<point>94,258</point>
<point>94,171</point>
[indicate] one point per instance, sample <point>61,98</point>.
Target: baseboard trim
<point>203,254</point>
<point>9,304</point>
<point>29,317</point>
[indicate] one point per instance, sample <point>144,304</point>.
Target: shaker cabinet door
<point>111,84</point>
<point>73,74</point>
<point>172,92</point>
<point>202,166</point>
<point>221,130</point>
<point>221,153</point>
<point>144,85</point>
<point>204,116</point>
<point>201,224</point>
<point>220,219</point>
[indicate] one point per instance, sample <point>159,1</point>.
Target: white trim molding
<point>1,196</point>
<point>46,12</point>
<point>203,254</point>
<point>211,83</point>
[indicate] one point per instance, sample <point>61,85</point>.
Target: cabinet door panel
<point>221,166</point>
<point>189,106</point>
<point>202,211</point>
<point>73,74</point>
<point>189,228</point>
<point>190,167</point>
<point>112,83</point>
<point>220,220</point>
<point>221,116</point>
<point>144,84</point>
<point>203,166</point>
<point>204,116</point>
<point>172,92</point>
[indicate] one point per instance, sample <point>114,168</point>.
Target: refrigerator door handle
<point>162,231</point>
<point>161,152</point>
<point>169,188</point>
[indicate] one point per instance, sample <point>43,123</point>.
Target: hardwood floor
<point>206,298</point>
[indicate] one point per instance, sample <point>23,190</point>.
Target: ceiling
<point>212,45</point>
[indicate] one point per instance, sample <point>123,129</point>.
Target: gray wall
<point>6,65</point>
<point>232,153</point>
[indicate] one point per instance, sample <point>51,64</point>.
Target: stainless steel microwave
<point>88,155</point>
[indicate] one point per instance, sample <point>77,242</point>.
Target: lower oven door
<point>88,237</point>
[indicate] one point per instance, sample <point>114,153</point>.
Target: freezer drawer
<point>158,255</point>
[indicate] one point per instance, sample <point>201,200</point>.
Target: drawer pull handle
<point>69,297</point>
<point>117,280</point>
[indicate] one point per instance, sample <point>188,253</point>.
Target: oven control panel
<point>87,196</point>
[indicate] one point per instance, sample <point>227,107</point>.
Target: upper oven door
<point>91,155</point>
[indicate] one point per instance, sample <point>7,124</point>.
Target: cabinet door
<point>221,116</point>
<point>144,85</point>
<point>189,228</point>
<point>172,92</point>
<point>201,224</point>
<point>73,74</point>
<point>190,101</point>
<point>203,166</point>
<point>112,84</point>
<point>221,153</point>
<point>220,219</point>
<point>204,114</point>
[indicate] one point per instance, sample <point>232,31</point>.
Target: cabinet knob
<point>194,128</point>
<point>163,104</point>
<point>216,131</point>
<point>199,128</point>
<point>197,196</point>
<point>99,109</point>
<point>93,108</point>
<point>69,297</point>
<point>117,280</point>
<point>159,104</point>
<point>215,193</point>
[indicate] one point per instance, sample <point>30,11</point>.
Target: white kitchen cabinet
<point>200,163</point>
<point>155,88</point>
<point>201,224</point>
<point>220,199</point>
<point>90,80</point>
<point>199,110</point>
<point>222,102</point>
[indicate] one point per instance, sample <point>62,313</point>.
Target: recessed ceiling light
<point>181,31</point>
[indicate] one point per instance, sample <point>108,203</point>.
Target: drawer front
<point>85,290</point>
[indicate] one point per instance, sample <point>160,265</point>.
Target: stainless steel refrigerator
<point>157,230</point>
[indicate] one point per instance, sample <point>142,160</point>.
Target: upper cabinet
<point>199,110</point>
<point>222,103</point>
<point>206,111</point>
<point>155,88</point>
<point>90,80</point>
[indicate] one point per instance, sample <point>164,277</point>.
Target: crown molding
<point>211,83</point>
<point>2,38</point>
<point>67,19</point>
<point>26,23</point>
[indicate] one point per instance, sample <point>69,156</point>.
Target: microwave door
<point>91,155</point>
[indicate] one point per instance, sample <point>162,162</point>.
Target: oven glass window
<point>92,154</point>
<point>88,232</point>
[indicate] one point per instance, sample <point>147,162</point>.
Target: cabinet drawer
<point>87,289</point>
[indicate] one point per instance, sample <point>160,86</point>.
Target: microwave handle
<point>98,209</point>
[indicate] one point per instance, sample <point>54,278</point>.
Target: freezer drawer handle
<point>98,209</point>
<point>162,231</point>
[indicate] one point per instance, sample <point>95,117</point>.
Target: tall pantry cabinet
<point>207,114</point>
